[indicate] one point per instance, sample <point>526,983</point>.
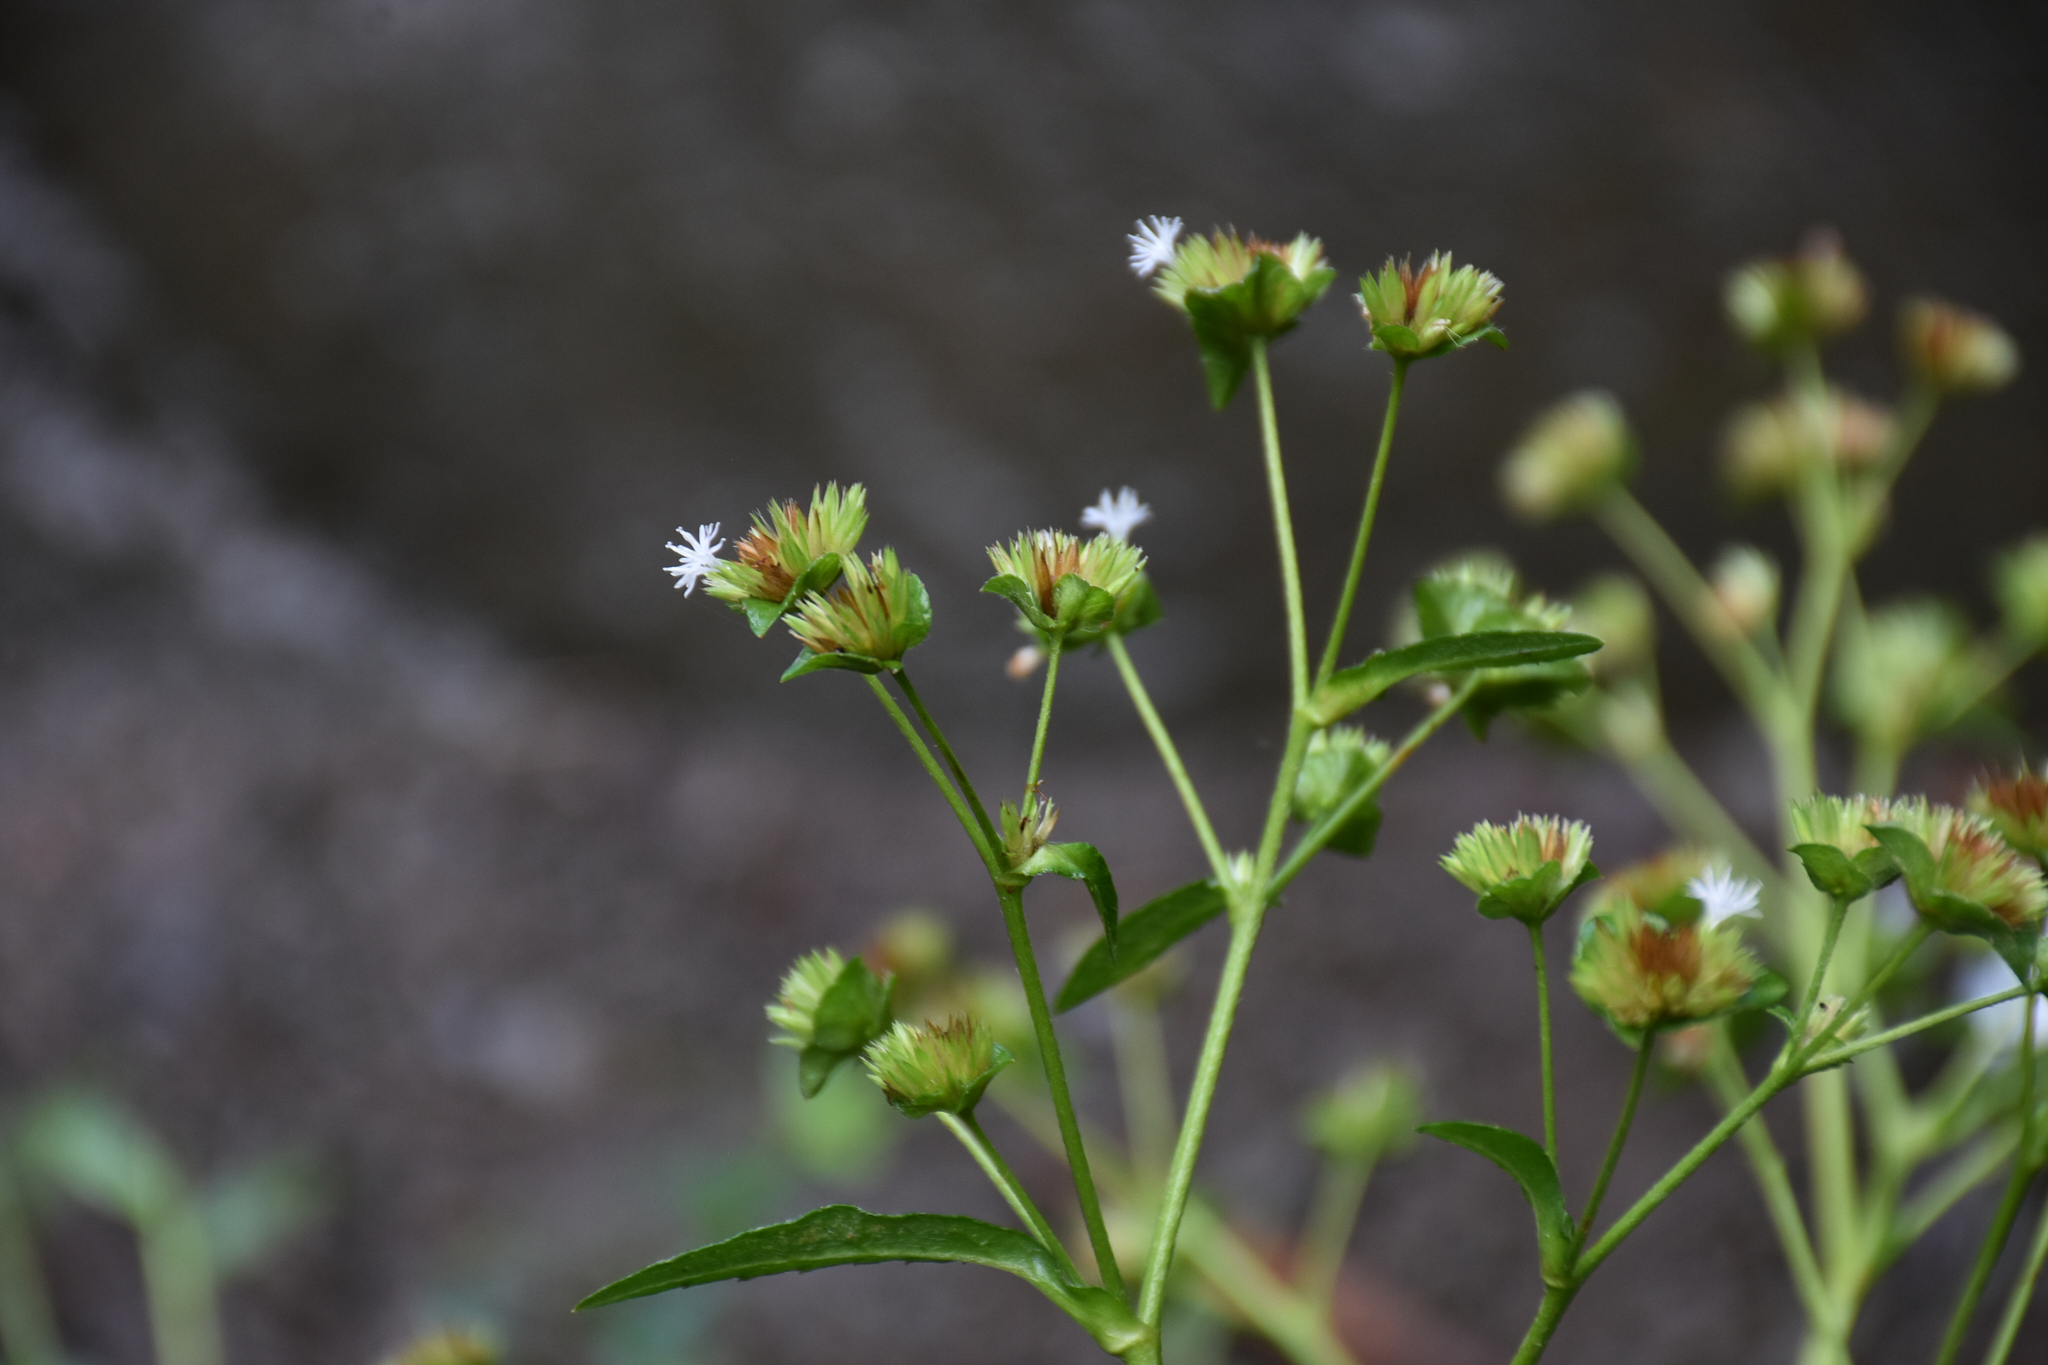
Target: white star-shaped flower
<point>699,554</point>
<point>1152,244</point>
<point>1723,895</point>
<point>1119,514</point>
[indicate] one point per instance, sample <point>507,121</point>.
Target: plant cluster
<point>1823,961</point>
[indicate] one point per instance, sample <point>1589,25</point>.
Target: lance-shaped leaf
<point>1084,863</point>
<point>822,573</point>
<point>1525,1160</point>
<point>1351,688</point>
<point>841,1234</point>
<point>1144,935</point>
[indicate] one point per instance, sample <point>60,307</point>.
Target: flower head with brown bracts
<point>2017,807</point>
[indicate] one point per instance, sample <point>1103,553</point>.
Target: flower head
<point>936,1068</point>
<point>794,1009</point>
<point>1956,350</point>
<point>2017,808</point>
<point>699,555</point>
<point>1742,592</point>
<point>1525,869</point>
<point>873,617</point>
<point>1723,895</point>
<point>1644,971</point>
<point>827,1010</point>
<point>787,541</point>
<point>1152,244</point>
<point>1116,516</point>
<point>1418,313</point>
<point>1840,822</point>
<point>1961,876</point>
<point>1616,610</point>
<point>1777,303</point>
<point>1026,827</point>
<point>1041,560</point>
<point>1767,445</point>
<point>1572,454</point>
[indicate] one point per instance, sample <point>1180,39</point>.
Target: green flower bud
<point>2020,579</point>
<point>1962,877</point>
<point>1371,1113</point>
<point>787,544</point>
<point>447,1348</point>
<point>1615,609</point>
<point>1065,585</point>
<point>1954,349</point>
<point>2017,808</point>
<point>1417,314</point>
<point>1644,971</point>
<point>828,1009</point>
<point>1834,842</point>
<point>936,1068</point>
<point>1909,673</point>
<point>1779,303</point>
<point>1339,761</point>
<point>1525,870</point>
<point>1768,445</point>
<point>1026,826</point>
<point>1236,291</point>
<point>1569,457</point>
<point>867,623</point>
<point>1742,593</point>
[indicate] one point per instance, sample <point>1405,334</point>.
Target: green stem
<point>1062,1098</point>
<point>1366,518</point>
<point>1924,1022</point>
<point>1052,678</point>
<point>1907,947</point>
<point>968,1130</point>
<point>1724,1074</point>
<point>1837,910</point>
<point>2024,1168</point>
<point>28,1328</point>
<point>1332,1216</point>
<point>1543,1030</point>
<point>1276,1310</point>
<point>988,828</point>
<point>2022,1294</point>
<point>1548,1314</point>
<point>1620,1138</point>
<point>1143,1080</point>
<point>1283,528</point>
<point>991,855</point>
<point>1170,756</point>
<point>178,1281</point>
<point>1180,1175</point>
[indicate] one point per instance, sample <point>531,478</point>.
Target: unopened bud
<point>1826,1011</point>
<point>1339,761</point>
<point>1954,349</point>
<point>1569,458</point>
<point>916,947</point>
<point>936,1068</point>
<point>1908,673</point>
<point>1024,662</point>
<point>1631,721</point>
<point>1742,593</point>
<point>1816,294</point>
<point>2020,578</point>
<point>1614,609</point>
<point>1026,826</point>
<point>1525,869</point>
<point>1369,1114</point>
<point>1768,445</point>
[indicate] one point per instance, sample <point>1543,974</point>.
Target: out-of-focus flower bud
<point>936,1068</point>
<point>2020,578</point>
<point>828,1009</point>
<point>1026,826</point>
<point>790,554</point>
<point>1371,1113</point>
<point>1631,721</point>
<point>867,623</point>
<point>1339,761</point>
<point>447,1347</point>
<point>916,948</point>
<point>2017,808</point>
<point>1767,445</point>
<point>1615,609</point>
<point>1569,457</point>
<point>1686,1050</point>
<point>1834,842</point>
<point>1778,303</point>
<point>1954,349</point>
<point>1964,879</point>
<point>1239,290</point>
<point>1654,968</point>
<point>1062,583</point>
<point>1415,314</point>
<point>1526,869</point>
<point>1910,672</point>
<point>1026,661</point>
<point>1742,593</point>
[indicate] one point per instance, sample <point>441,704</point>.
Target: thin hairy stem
<point>1837,910</point>
<point>968,1129</point>
<point>1331,1217</point>
<point>1543,1031</point>
<point>1836,1056</point>
<point>1620,1138</point>
<point>1548,1314</point>
<point>1052,678</point>
<point>931,727</point>
<point>2021,1295</point>
<point>1198,816</point>
<point>1283,528</point>
<point>1878,979</point>
<point>1062,1098</point>
<point>1342,620</point>
<point>991,854</point>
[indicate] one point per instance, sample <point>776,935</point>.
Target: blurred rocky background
<point>366,796</point>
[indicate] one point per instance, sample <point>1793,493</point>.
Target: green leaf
<point>1832,871</point>
<point>258,1208</point>
<point>1144,935</point>
<point>1084,863</point>
<point>819,575</point>
<point>1080,605</point>
<point>1351,688</point>
<point>841,1234</point>
<point>1018,593</point>
<point>1226,350</point>
<point>809,662</point>
<point>1525,1160</point>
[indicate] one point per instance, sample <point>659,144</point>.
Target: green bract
<point>1954,349</point>
<point>1526,869</point>
<point>828,1009</point>
<point>791,554</point>
<point>1339,761</point>
<point>1963,879</point>
<point>1780,303</point>
<point>866,624</point>
<point>936,1068</point>
<point>1072,588</point>
<point>1836,847</point>
<point>1569,457</point>
<point>1416,314</point>
<point>1238,291</point>
<point>1481,593</point>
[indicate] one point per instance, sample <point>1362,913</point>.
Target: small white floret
<point>699,555</point>
<point>1118,514</point>
<point>1152,244</point>
<point>1723,895</point>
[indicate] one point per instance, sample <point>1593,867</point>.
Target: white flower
<point>1723,895</point>
<point>1119,514</point>
<point>699,554</point>
<point>1152,244</point>
<point>1997,1025</point>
